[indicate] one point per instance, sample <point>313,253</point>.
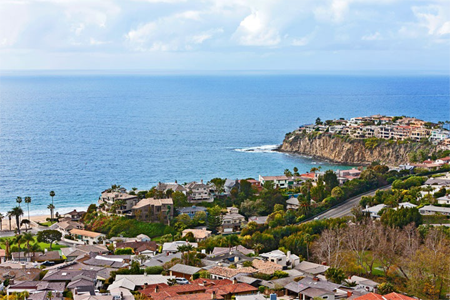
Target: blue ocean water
<point>78,134</point>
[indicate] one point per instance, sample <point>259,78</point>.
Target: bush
<point>154,270</point>
<point>123,251</point>
<point>261,289</point>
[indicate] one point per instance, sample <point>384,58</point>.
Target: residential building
<point>444,160</point>
<point>67,225</point>
<point>374,211</point>
<point>88,237</point>
<point>433,210</point>
<point>74,215</point>
<point>439,135</point>
<point>172,247</point>
<point>232,221</point>
<point>191,211</point>
<point>230,184</point>
<point>390,296</point>
<point>444,199</point>
<point>364,283</point>
<point>278,257</point>
<point>199,234</point>
<point>228,273</point>
<point>153,210</point>
<point>260,220</point>
<point>292,203</point>
<point>173,186</point>
<point>311,269</point>
<point>199,192</point>
<point>36,286</point>
<point>184,271</point>
<point>118,202</point>
<point>281,182</point>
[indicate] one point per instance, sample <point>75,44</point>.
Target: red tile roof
<point>370,296</point>
<point>396,296</point>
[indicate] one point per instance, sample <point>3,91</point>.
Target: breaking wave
<point>258,149</point>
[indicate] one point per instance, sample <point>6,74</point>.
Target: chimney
<point>234,281</point>
<point>349,294</point>
<point>201,180</point>
<point>76,291</point>
<point>156,288</point>
<point>324,263</point>
<point>316,278</point>
<point>213,295</point>
<point>288,255</point>
<point>176,181</point>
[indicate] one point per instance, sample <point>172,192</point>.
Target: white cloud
<point>433,17</point>
<point>372,37</point>
<point>200,38</point>
<point>96,42</point>
<point>256,30</point>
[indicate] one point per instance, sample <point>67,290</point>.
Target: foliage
<point>385,288</point>
<point>401,217</point>
<point>154,270</point>
<point>49,236</point>
<point>123,251</point>
<point>335,275</point>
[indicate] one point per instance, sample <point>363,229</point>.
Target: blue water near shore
<point>78,134</point>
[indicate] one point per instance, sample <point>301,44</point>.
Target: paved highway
<point>345,208</point>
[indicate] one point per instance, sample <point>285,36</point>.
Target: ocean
<point>77,134</point>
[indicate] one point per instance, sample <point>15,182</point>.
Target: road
<point>345,208</point>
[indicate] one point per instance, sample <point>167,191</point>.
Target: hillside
<point>350,151</point>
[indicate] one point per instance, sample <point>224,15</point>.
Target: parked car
<point>48,263</point>
<point>181,280</point>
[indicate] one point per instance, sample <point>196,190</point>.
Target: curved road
<point>345,208</point>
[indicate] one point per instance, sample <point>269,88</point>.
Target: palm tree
<point>35,248</point>
<point>28,237</point>
<point>28,201</point>
<point>258,247</point>
<point>19,200</point>
<point>25,222</point>
<point>17,212</point>
<point>18,240</point>
<point>52,194</point>
<point>1,221</point>
<point>309,238</point>
<point>51,207</point>
<point>50,295</point>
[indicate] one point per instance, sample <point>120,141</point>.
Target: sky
<point>290,35</point>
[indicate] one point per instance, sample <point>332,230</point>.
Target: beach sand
<point>34,219</point>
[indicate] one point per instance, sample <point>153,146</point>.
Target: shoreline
<point>36,218</point>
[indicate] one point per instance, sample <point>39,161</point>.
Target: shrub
<point>123,251</point>
<point>154,270</point>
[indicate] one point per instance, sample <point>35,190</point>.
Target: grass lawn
<point>41,245</point>
<point>48,223</point>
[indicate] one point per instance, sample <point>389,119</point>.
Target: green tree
<point>27,238</point>
<point>296,171</point>
<point>318,121</point>
<point>18,239</point>
<point>331,180</point>
<point>51,207</point>
<point>219,184</point>
<point>214,218</point>
<point>385,288</point>
<point>335,275</point>
<point>337,193</point>
<point>179,199</point>
<point>49,236</point>
<point>287,173</point>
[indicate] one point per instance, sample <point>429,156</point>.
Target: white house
<point>374,210</point>
<point>444,160</point>
<point>89,237</point>
<point>278,181</point>
<point>364,283</point>
<point>292,203</point>
<point>444,200</point>
<point>432,210</point>
<point>281,259</point>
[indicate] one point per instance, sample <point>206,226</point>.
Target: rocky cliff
<point>350,151</point>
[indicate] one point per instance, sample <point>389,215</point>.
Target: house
<point>200,289</point>
<point>266,267</point>
<point>390,296</point>
<point>172,247</point>
<point>153,210</point>
<point>224,256</point>
<point>22,274</point>
<point>191,211</point>
<point>118,202</point>
<point>123,283</point>
<point>228,273</point>
<point>35,286</point>
<point>280,258</point>
<point>67,225</point>
<point>292,203</point>
<point>141,281</point>
<point>281,182</point>
<point>444,160</point>
<point>88,237</point>
<point>312,287</point>
<point>444,199</point>
<point>432,210</point>
<point>181,270</point>
<point>146,248</point>
<point>238,248</point>
<point>161,259</point>
<point>199,234</point>
<point>232,222</point>
<point>173,186</point>
<point>256,184</point>
<point>310,268</point>
<point>61,275</point>
<point>374,211</point>
<point>260,220</point>
<point>54,256</point>
<point>364,283</point>
<point>199,192</point>
<point>230,184</point>
<point>74,215</point>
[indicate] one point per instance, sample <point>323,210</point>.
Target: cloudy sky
<point>297,35</point>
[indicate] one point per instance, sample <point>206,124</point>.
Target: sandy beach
<point>34,219</point>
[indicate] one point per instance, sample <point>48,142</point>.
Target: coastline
<point>35,219</point>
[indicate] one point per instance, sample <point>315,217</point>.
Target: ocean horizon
<point>77,134</point>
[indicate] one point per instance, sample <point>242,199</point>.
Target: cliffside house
<point>88,237</point>
<point>153,210</point>
<point>229,185</point>
<point>199,192</point>
<point>191,211</point>
<point>199,234</point>
<point>118,202</point>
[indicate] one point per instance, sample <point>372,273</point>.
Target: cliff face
<point>352,152</point>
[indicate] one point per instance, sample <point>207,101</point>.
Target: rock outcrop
<point>349,151</point>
